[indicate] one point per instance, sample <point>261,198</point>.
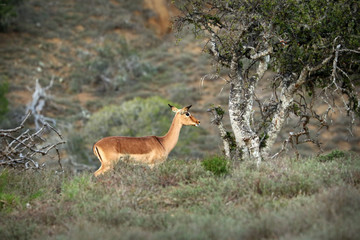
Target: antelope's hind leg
<point>107,161</point>
<point>98,172</point>
<point>102,169</point>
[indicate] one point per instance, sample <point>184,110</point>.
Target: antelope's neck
<point>172,136</point>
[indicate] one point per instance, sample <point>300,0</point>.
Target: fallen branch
<point>20,148</point>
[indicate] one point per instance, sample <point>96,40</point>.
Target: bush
<point>218,165</point>
<point>137,117</point>
<point>331,156</point>
<point>7,13</point>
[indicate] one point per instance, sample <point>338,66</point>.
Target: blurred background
<point>110,67</point>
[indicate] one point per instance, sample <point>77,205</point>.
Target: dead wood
<point>38,103</point>
<point>20,147</point>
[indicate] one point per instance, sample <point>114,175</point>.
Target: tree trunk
<point>235,106</point>
<point>241,100</point>
<point>286,100</point>
<point>254,149</point>
<point>235,113</point>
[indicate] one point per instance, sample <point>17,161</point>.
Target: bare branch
<point>23,147</point>
<point>17,128</point>
<point>262,54</point>
<point>294,139</point>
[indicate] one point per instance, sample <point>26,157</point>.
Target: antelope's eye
<point>187,114</point>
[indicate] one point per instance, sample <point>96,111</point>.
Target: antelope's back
<point>130,145</point>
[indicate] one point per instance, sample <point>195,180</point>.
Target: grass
<point>283,199</point>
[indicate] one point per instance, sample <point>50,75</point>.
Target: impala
<point>148,150</point>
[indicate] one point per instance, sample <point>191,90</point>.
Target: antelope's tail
<point>97,153</point>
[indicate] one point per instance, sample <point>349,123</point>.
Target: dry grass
<point>307,199</point>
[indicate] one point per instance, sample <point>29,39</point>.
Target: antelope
<point>150,150</point>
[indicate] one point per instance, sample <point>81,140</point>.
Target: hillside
<point>100,53</point>
<point>81,46</point>
<point>112,67</point>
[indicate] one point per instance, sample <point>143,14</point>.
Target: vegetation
<point>7,13</point>
<point>218,165</point>
<point>20,148</point>
<point>312,46</point>
<point>137,117</point>
<point>3,100</point>
<point>112,75</point>
<point>286,198</point>
<point>114,67</point>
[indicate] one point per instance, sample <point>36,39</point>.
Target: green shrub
<point>17,228</point>
<point>331,156</point>
<point>218,165</point>
<point>137,117</point>
<point>174,172</point>
<point>8,201</point>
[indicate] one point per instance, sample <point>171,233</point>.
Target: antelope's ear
<point>185,109</point>
<point>174,109</point>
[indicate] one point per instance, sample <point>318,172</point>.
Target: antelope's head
<point>185,116</point>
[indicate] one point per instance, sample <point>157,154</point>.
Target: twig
<point>17,128</point>
<point>22,148</point>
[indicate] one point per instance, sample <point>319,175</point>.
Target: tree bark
<point>218,122</point>
<point>286,100</point>
<point>241,101</point>
<point>235,106</point>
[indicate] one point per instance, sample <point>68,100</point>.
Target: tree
<point>312,46</point>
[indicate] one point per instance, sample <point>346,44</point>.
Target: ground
<point>80,45</point>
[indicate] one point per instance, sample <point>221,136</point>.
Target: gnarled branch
<point>19,148</point>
